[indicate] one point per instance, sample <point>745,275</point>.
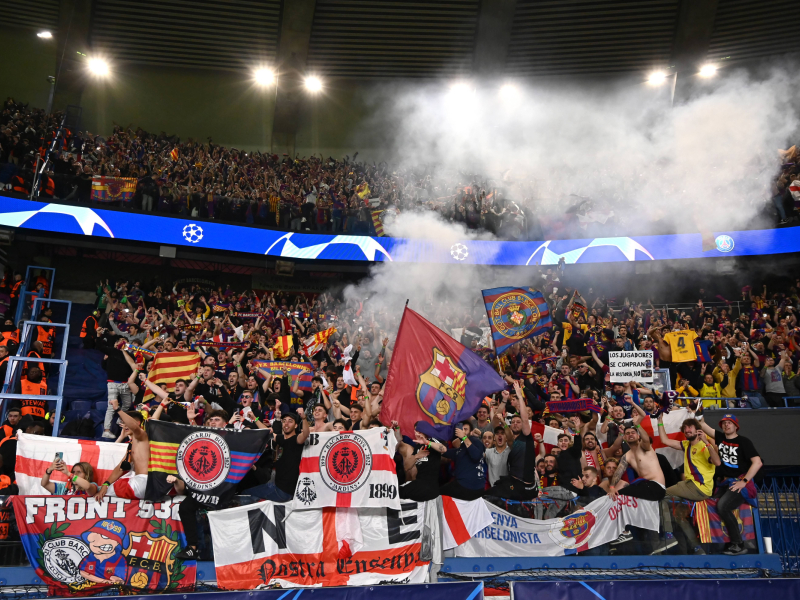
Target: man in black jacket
<point>118,371</point>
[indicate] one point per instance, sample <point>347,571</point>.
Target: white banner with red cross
<point>348,469</point>
<point>672,426</point>
<point>268,543</point>
<point>35,454</point>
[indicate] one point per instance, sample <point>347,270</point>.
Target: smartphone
<point>60,456</point>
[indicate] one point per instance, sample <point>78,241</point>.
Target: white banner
<point>600,522</point>
<point>634,365</point>
<point>35,454</point>
<point>353,469</point>
<point>267,543</point>
<point>672,427</point>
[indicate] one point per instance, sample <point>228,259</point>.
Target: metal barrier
<point>13,374</point>
<point>779,512</point>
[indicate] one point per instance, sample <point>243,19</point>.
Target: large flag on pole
<point>433,378</point>
<point>515,314</point>
<point>168,367</point>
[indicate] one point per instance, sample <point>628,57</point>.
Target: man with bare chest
<point>643,459</point>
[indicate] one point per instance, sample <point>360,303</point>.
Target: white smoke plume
<point>705,164</point>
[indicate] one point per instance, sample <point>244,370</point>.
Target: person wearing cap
<point>734,477</point>
<point>700,457</point>
<point>421,462</point>
<point>287,469</point>
<point>105,564</point>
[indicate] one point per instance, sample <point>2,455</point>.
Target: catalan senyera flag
<point>210,461</point>
<point>168,367</point>
<point>376,221</point>
<point>283,346</point>
<point>515,314</point>
<point>174,155</point>
<point>316,342</point>
<point>113,189</point>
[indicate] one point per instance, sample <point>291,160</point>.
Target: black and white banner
<point>636,365</point>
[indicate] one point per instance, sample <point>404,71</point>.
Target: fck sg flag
<point>351,469</point>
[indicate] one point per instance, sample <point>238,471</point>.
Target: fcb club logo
<point>203,460</point>
<point>345,462</point>
<point>441,389</point>
<point>574,530</point>
<point>514,315</point>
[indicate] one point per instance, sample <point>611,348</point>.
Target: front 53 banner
<point>80,547</point>
<point>600,522</point>
<point>349,469</point>
<point>268,543</point>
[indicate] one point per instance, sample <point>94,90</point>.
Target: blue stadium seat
<point>81,405</point>
<point>101,406</point>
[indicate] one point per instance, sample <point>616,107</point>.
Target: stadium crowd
<point>710,355</point>
<point>315,194</point>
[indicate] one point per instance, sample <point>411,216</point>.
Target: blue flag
<point>515,314</point>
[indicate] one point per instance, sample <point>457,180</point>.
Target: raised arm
<point>662,435</point>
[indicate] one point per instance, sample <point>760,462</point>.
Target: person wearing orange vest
<point>36,352</point>
<point>89,331</point>
<point>33,384</point>
<point>18,185</point>
<point>45,336</point>
<point>17,285</point>
<point>10,426</point>
<point>9,335</point>
<point>3,363</point>
<point>48,189</point>
<point>45,284</point>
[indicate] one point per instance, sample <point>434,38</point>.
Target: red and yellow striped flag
<point>283,347</point>
<point>316,342</point>
<point>168,367</point>
<point>174,154</point>
<point>376,221</point>
<point>162,457</point>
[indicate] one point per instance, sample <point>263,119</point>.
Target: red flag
<point>433,378</point>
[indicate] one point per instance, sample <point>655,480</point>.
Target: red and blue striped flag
<point>515,314</point>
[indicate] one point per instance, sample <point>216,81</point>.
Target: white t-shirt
<point>497,463</point>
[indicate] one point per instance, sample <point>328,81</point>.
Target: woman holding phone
<point>79,479</point>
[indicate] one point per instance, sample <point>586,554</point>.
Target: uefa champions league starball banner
<point>600,522</point>
<point>80,547</point>
<point>124,225</point>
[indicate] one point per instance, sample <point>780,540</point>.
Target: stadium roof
<point>426,38</point>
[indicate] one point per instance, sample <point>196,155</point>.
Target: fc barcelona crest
<point>441,389</point>
<point>514,315</point>
<point>151,560</point>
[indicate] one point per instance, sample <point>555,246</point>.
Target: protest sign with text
<point>635,365</point>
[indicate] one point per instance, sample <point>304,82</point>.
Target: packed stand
<point>305,194</point>
<point>710,355</point>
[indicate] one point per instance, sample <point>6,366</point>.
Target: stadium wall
<point>27,61</point>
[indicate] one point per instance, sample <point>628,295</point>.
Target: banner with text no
<point>636,365</point>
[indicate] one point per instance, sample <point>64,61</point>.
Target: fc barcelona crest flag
<point>515,314</point>
<point>433,378</point>
<point>210,461</point>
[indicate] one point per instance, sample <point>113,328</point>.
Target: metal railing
<point>779,512</point>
